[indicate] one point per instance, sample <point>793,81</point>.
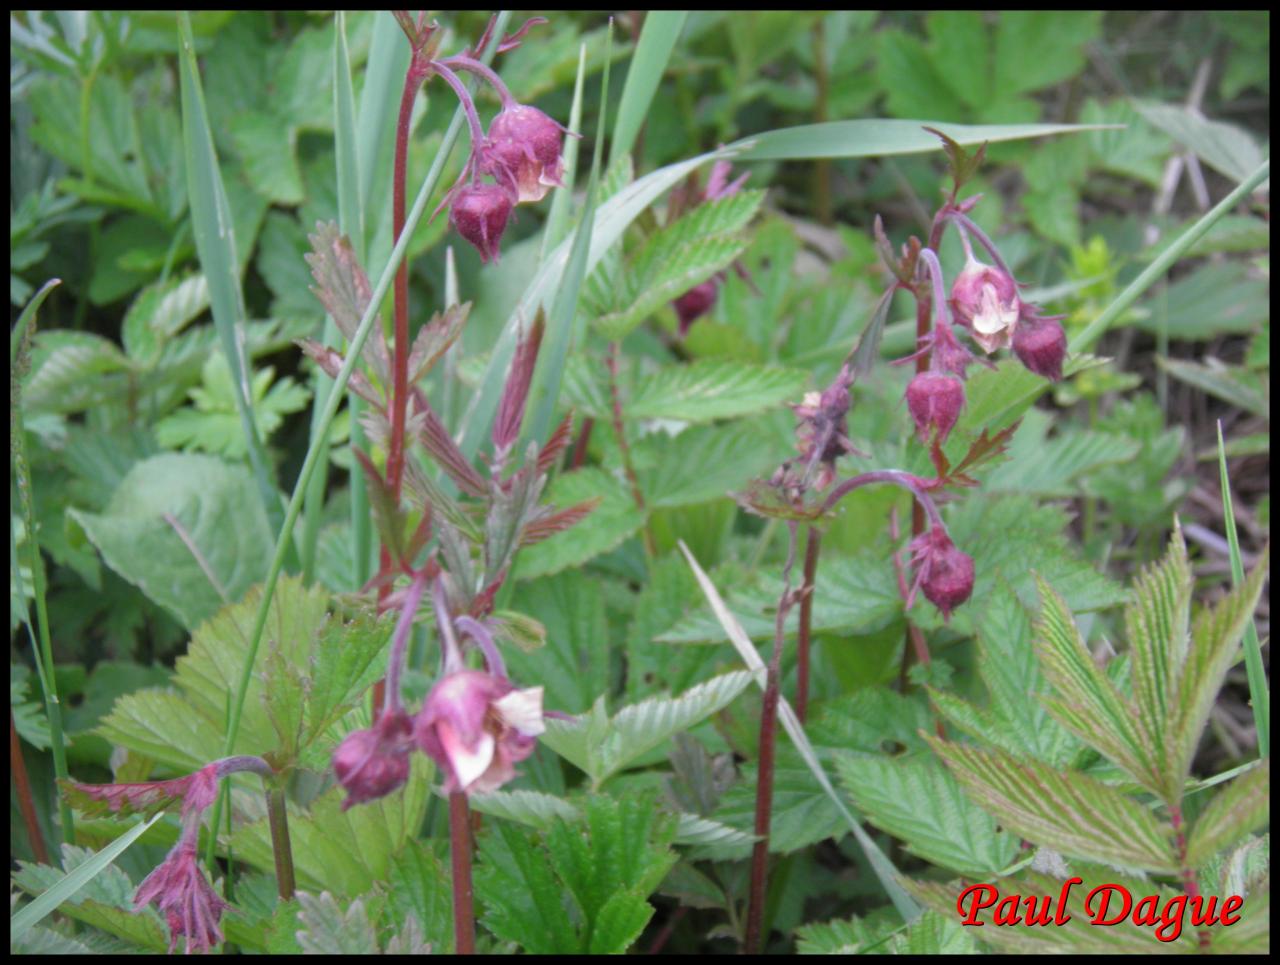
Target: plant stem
<point>620,431</point>
<point>1189,884</point>
<point>464,922</point>
<point>23,788</point>
<point>812,547</point>
<point>281,851</point>
<point>764,775</point>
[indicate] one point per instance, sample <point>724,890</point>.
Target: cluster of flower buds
<point>521,151</point>
<point>822,430</point>
<point>701,298</point>
<point>191,906</point>
<point>985,302</point>
<point>475,724</point>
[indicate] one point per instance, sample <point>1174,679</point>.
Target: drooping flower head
<point>943,572</point>
<point>480,213</point>
<point>1040,343</point>
<point>524,152</point>
<point>372,763</point>
<point>985,301</point>
<point>180,890</point>
<point>934,400</point>
<point>477,726</point>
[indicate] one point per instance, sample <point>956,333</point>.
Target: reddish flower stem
<point>764,776</point>
<point>464,922</point>
<point>620,431</point>
<point>23,787</point>
<point>811,550</point>
<point>1189,884</point>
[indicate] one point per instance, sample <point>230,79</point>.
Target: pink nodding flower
<point>180,890</point>
<point>1040,343</point>
<point>477,726</point>
<point>480,213</point>
<point>944,573</point>
<point>934,400</point>
<point>524,149</point>
<point>372,763</point>
<point>985,300</point>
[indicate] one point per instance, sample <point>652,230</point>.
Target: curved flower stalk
<point>178,887</point>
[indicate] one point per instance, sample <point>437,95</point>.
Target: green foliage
<point>581,886</point>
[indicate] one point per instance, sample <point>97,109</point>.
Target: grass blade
<point>1259,694</point>
<point>19,345</point>
<point>558,217</point>
<point>551,361</point>
<point>1156,270</point>
<point>46,902</point>
<point>648,63</point>
<point>883,867</point>
<point>216,247</point>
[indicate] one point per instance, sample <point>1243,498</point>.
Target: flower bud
<point>985,301</point>
<point>944,573</point>
<point>1040,345</point>
<point>524,150</point>
<point>480,213</point>
<point>934,400</point>
<point>695,303</point>
<point>372,763</point>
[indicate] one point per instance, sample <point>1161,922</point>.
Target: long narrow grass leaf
<point>552,359</point>
<point>1259,692</point>
<point>648,63</point>
<point>67,886</point>
<point>216,246</point>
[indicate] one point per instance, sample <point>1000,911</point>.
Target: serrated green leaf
<point>854,595</point>
<point>714,389</point>
<point>345,852</point>
<point>802,812</point>
<point>327,929</point>
<point>71,371</point>
<point>704,462</point>
<point>165,727</point>
<point>917,800</point>
<point>1087,702</point>
<point>532,808</point>
<point>521,899</point>
<point>1236,811</point>
<point>574,663</point>
<point>602,749</point>
<point>611,522</point>
<point>200,494</point>
<point>1068,811</point>
<point>1215,642</point>
<point>419,885</point>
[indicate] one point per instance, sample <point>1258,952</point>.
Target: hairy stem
<point>1189,884</point>
<point>400,641</point>
<point>625,450</point>
<point>281,850</point>
<point>23,788</point>
<point>811,549</point>
<point>463,62</point>
<point>764,776</point>
<point>464,922</point>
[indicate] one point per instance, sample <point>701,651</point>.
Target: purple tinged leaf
<point>557,443</point>
<point>545,526</point>
<point>434,339</point>
<point>330,362</point>
<point>506,426</point>
<point>343,288</point>
<point>387,515</point>
<point>435,436</point>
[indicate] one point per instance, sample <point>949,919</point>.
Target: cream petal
<point>468,763</point>
<point>522,710</point>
